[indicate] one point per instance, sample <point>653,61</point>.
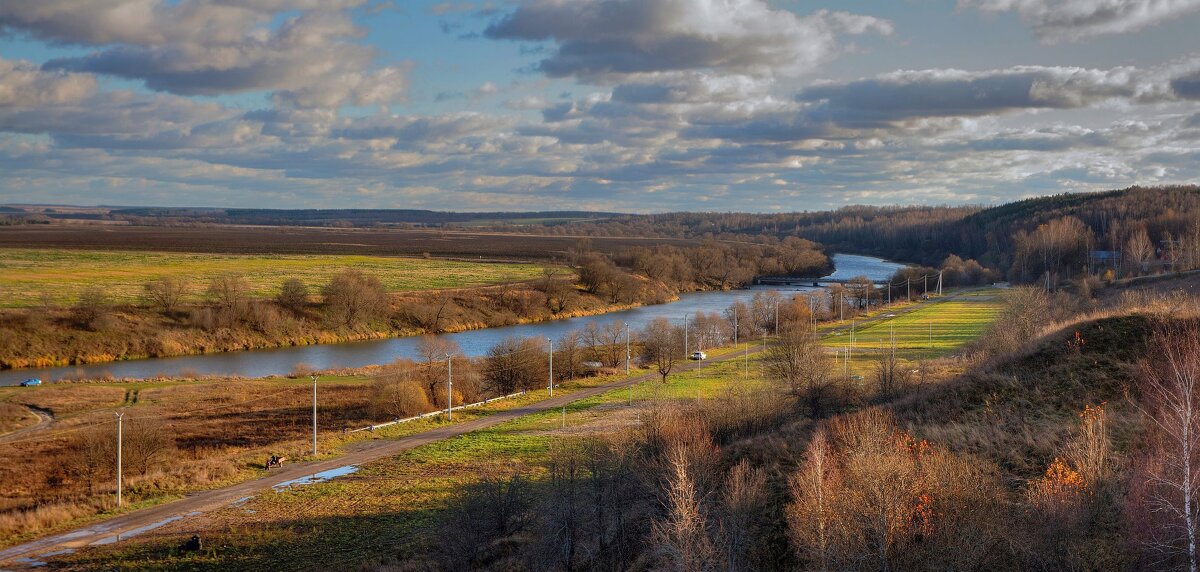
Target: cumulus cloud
<point>22,84</point>
<point>305,51</point>
<point>903,95</point>
<point>1073,20</point>
<point>599,40</point>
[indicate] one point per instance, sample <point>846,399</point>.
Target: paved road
<point>149,518</point>
<point>152,517</point>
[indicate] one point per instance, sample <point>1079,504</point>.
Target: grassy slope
<point>384,511</point>
<point>27,274</point>
<point>1019,413</point>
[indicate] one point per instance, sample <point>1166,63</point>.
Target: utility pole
<point>939,286</point>
<point>450,387</point>
<point>552,366</point>
<point>314,380</point>
<point>889,292</point>
<point>909,284</point>
<point>626,348</point>
<point>812,313</point>
<point>735,327</point>
<point>776,316</point>
<point>926,289</point>
<point>120,418</point>
<point>685,338</point>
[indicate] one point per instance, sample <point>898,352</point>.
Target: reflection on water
<point>259,363</point>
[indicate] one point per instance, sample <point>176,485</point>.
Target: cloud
<point>903,95</point>
<point>599,40</point>
<point>24,85</point>
<point>1073,20</point>
<point>306,52</point>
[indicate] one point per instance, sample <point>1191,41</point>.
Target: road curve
<point>205,501</point>
<point>45,419</point>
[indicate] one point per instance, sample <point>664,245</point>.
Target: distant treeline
<point>342,217</point>
<point>1147,229</point>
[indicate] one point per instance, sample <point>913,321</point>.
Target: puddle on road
<point>317,478</point>
<point>139,530</point>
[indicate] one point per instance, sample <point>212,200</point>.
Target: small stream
<point>281,361</point>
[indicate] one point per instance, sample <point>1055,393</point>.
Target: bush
<point>293,295</point>
<point>353,298</point>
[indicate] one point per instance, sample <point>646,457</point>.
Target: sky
<point>609,105</point>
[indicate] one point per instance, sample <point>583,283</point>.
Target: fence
<point>431,413</point>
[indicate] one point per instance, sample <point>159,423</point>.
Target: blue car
<point>31,382</point>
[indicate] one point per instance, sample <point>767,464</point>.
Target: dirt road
<point>45,419</point>
<point>144,520</point>
<point>111,530</point>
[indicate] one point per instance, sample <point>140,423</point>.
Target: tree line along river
<point>281,361</point>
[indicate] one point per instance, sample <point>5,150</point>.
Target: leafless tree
<point>1139,251</point>
<point>146,443</point>
<point>515,363</point>
<point>798,359</point>
<point>1170,394</point>
<point>293,295</point>
<point>743,501</point>
<point>353,298</point>
<point>166,293</point>
<point>811,514</point>
<point>662,344</point>
<point>683,537</point>
<point>890,373</point>
<point>91,311</point>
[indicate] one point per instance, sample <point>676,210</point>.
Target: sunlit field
<point>32,276</point>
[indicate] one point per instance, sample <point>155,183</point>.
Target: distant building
<point>1100,260</point>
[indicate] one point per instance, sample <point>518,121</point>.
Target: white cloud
<point>1073,20</point>
<point>603,40</point>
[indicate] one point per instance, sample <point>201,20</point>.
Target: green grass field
<point>930,330</point>
<point>393,502</point>
<point>26,275</point>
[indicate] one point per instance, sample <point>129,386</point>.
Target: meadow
<point>389,509</point>
<point>29,277</point>
<point>933,329</point>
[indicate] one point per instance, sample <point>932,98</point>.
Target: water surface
<point>280,361</point>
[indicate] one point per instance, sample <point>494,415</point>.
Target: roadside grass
<point>26,275</point>
<point>931,330</point>
<point>388,510</point>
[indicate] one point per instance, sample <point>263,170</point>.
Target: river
<point>279,361</point>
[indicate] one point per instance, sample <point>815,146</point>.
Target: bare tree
<point>515,363</point>
<point>798,359</point>
<point>890,373</point>
<point>91,311</point>
<point>433,351</point>
<point>742,504</point>
<point>145,443</point>
<point>166,293</point>
<point>353,298</point>
<point>662,342</point>
<point>1170,390</point>
<point>1139,251</point>
<point>811,515</point>
<point>229,292</point>
<point>683,537</point>
<point>293,295</point>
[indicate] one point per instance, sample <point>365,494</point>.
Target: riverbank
<point>48,337</point>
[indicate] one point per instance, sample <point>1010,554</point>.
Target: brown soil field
<point>307,240</point>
